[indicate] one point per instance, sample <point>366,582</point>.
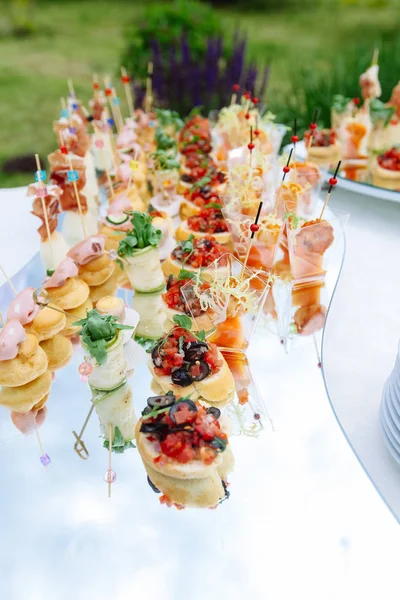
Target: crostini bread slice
<point>171,266</point>
<point>191,493</point>
<point>188,209</point>
<point>201,322</point>
<point>183,232</point>
<point>217,389</point>
<point>324,151</point>
<point>386,173</point>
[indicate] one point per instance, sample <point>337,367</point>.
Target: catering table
<point>303,519</point>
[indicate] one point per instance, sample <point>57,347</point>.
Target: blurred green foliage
<point>167,22</point>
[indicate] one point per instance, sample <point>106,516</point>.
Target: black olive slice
<point>161,401</point>
<point>155,353</point>
<point>153,487</point>
<point>159,429</point>
<point>186,177</point>
<point>146,411</point>
<point>195,351</point>
<point>214,411</point>
<point>204,371</point>
<point>190,405</point>
<point>181,377</point>
<point>170,281</point>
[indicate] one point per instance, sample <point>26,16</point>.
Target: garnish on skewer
<point>149,92</point>
<point>295,139</point>
<point>286,170</point>
<point>128,91</point>
<point>41,193</point>
<point>110,475</point>
<point>41,297</point>
<point>79,446</point>
<point>250,145</point>
<point>313,127</point>
<point>235,89</point>
<point>254,227</point>
<point>332,182</point>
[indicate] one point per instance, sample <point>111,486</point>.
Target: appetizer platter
<point>365,135</point>
<point>163,259</point>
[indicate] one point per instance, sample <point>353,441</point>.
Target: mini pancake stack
<point>70,293</point>
<point>95,267</point>
<point>24,374</point>
<point>45,324</point>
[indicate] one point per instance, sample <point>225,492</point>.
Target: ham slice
<point>65,270</point>
<point>87,250</point>
<point>59,167</point>
<point>52,205</point>
<point>11,336</point>
<point>23,308</point>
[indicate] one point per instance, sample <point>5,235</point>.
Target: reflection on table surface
<point>299,504</point>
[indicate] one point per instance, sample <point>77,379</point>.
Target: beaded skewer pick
<point>285,170</point>
<point>313,127</point>
<point>148,101</point>
<point>41,297</point>
<point>107,125</point>
<point>128,90</point>
<point>109,94</point>
<point>79,445</point>
<point>41,193</point>
<point>235,89</point>
<point>95,85</point>
<point>10,283</point>
<point>71,88</point>
<point>116,102</point>
<point>250,145</point>
<point>332,182</point>
<point>110,475</point>
<point>99,143</point>
<point>295,139</point>
<point>73,176</point>
<point>254,227</point>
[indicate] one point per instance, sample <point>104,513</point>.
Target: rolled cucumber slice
<point>117,219</point>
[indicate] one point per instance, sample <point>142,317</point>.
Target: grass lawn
<point>74,39</point>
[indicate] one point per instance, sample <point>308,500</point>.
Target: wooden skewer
<point>46,216</point>
<point>117,110</point>
<point>41,297</point>
<point>1,319</point>
<point>332,183</point>
<point>104,158</point>
<point>278,196</point>
<point>294,148</point>
<point>96,82</point>
<point>113,108</point>
<point>108,134</point>
<point>128,92</point>
<point>42,452</point>
<point>71,88</point>
<point>251,241</point>
<point>10,283</point>
<point>314,121</point>
<point>79,445</point>
<point>375,57</point>
<point>77,196</point>
<point>149,86</point>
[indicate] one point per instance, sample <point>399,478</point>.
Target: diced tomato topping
<point>205,251</point>
<point>183,414</point>
<point>210,220</point>
<point>390,160</point>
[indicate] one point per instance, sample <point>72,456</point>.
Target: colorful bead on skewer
<point>295,139</point>
<point>313,128</point>
<point>235,89</point>
<point>110,476</point>
<point>254,227</point>
<point>128,90</point>
<point>332,182</point>
<point>285,170</point>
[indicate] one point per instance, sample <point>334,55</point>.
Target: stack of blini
<point>95,268</point>
<point>70,293</point>
<point>45,324</point>
<point>24,374</point>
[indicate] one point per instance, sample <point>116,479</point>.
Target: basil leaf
<point>201,335</point>
<point>219,444</point>
<point>183,274</point>
<point>118,444</point>
<point>213,205</point>
<point>183,321</point>
<point>49,272</point>
<point>143,235</point>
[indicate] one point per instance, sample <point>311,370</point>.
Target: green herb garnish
<point>295,220</point>
<point>146,343</point>
<point>118,444</point>
<point>183,274</point>
<point>164,141</point>
<point>164,161</point>
<point>143,235</point>
<point>201,182</point>
<point>340,103</point>
<point>49,272</point>
<point>218,443</point>
<point>187,245</point>
<point>97,331</point>
<point>380,112</point>
<point>213,205</point>
<point>196,110</point>
<point>186,323</point>
<point>166,118</point>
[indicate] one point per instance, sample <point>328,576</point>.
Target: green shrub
<point>166,23</point>
<point>314,86</point>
